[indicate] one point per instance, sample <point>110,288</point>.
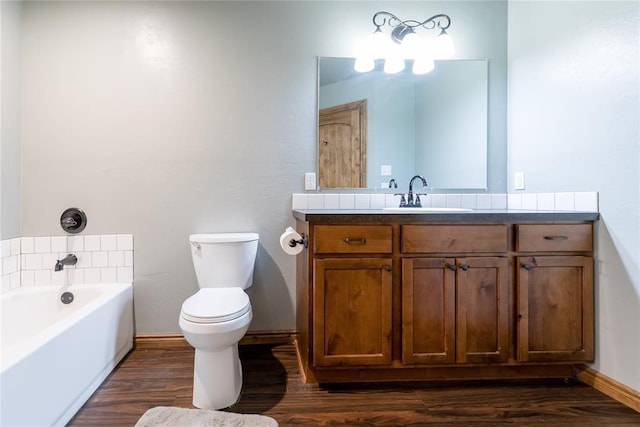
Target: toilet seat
<point>216,305</point>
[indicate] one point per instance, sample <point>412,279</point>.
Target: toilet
<point>216,317</point>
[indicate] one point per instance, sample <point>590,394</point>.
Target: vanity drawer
<point>554,237</point>
<point>349,239</point>
<point>453,238</point>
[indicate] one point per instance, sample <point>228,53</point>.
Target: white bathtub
<point>54,356</point>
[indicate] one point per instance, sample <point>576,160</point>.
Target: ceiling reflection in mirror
<point>433,124</point>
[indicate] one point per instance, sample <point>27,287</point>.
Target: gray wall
<point>163,119</point>
<point>10,161</point>
<point>574,125</point>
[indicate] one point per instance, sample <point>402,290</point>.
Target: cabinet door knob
<point>387,267</point>
<point>452,267</point>
<point>527,266</point>
<point>464,267</point>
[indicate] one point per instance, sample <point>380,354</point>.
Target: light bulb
<point>443,45</point>
<point>364,64</point>
<point>423,65</point>
<point>393,64</point>
<point>411,45</point>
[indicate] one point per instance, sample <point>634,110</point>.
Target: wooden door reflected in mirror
<point>342,150</point>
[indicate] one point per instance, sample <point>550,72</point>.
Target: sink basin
<point>427,210</point>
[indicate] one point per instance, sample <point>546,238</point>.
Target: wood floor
<point>272,386</point>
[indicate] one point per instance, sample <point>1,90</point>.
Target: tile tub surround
<point>586,201</point>
<point>30,261</point>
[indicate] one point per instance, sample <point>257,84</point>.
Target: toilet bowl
<point>216,317</point>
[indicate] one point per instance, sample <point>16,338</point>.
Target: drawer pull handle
<point>527,266</point>
<point>355,240</point>
<point>556,238</point>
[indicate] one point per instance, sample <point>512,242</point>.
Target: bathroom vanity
<point>486,294</point>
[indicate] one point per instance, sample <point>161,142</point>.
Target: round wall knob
<point>73,220</point>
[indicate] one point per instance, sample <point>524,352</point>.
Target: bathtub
<point>55,355</point>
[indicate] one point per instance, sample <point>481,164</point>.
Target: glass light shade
<point>411,45</point>
<point>364,65</point>
<point>443,46</point>
<point>423,65</point>
<point>393,64</point>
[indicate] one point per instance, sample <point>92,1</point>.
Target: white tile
<point>546,202</point>
<point>439,200</point>
<point>42,245</point>
<point>108,275</point>
<point>347,201</point>
<point>84,259</point>
<point>362,201</point>
<point>128,258</point>
<point>483,201</point>
<point>299,201</point>
<point>15,279</point>
<point>426,200</point>
<point>33,262</point>
<point>564,202</point>
<point>468,201</point>
<point>125,242</point>
<point>392,200</point>
<point>586,201</point>
<point>498,201</point>
<point>75,244</point>
<point>514,201</point>
<point>15,246</point>
<point>49,260</point>
<point>42,277</point>
<point>59,244</point>
<point>10,264</point>
<point>99,259</point>
<point>453,201</point>
<point>378,201</point>
<point>108,242</point>
<point>27,245</point>
<point>530,201</point>
<point>331,201</point>
<point>124,274</point>
<point>116,258</point>
<point>5,283</point>
<point>315,201</point>
<point>5,248</point>
<point>91,243</point>
<point>27,278</point>
<point>92,275</point>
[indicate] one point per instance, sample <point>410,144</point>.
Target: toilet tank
<point>224,260</point>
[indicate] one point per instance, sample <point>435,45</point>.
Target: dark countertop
<point>348,216</point>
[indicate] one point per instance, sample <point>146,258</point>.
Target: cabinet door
<point>428,310</point>
<point>555,309</point>
<point>352,303</point>
<point>482,310</point>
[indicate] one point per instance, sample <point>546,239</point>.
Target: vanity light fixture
<point>404,43</point>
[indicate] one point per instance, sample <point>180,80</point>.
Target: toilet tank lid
<point>223,237</point>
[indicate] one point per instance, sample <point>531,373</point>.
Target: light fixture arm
<point>401,28</point>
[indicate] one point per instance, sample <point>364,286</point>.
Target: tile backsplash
<point>30,261</point>
<point>566,201</point>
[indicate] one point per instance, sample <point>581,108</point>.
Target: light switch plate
<point>309,181</point>
<point>518,181</point>
<point>385,170</point>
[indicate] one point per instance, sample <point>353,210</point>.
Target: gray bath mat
<point>166,416</point>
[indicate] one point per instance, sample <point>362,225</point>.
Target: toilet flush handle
<point>197,245</point>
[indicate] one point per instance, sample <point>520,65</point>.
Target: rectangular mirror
<point>376,126</point>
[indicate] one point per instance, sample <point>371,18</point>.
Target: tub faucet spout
<point>70,259</point>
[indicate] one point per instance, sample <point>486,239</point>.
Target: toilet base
<point>217,378</point>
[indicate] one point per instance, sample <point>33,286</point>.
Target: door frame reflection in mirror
<point>394,104</point>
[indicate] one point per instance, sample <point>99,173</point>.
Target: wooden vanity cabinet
<point>555,303</point>
<point>387,300</point>
<point>352,297</point>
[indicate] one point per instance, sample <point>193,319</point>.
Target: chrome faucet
<point>393,183</point>
<point>411,202</point>
<point>70,259</point>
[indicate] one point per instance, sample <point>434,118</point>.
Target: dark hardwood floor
<point>272,386</point>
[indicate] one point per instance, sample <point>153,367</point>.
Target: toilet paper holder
<point>303,241</point>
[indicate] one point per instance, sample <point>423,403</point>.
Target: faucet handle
<point>403,201</point>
